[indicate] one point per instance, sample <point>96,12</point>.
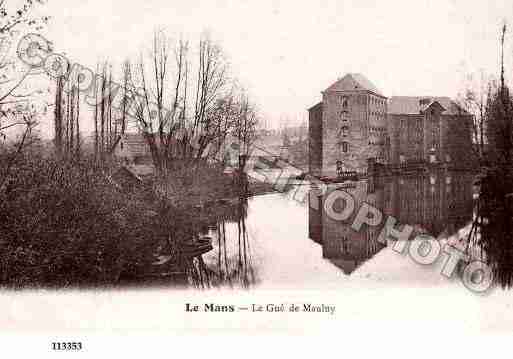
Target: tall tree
<point>176,112</point>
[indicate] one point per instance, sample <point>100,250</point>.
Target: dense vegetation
<point>493,228</point>
<point>65,217</point>
<point>64,223</point>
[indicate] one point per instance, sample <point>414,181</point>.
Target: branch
<point>12,125</point>
<point>15,86</point>
<point>16,153</point>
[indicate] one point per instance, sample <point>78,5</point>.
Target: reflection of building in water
<point>432,203</point>
<point>342,245</point>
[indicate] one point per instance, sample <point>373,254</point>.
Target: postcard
<point>186,171</point>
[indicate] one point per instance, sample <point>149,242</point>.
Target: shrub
<point>65,223</point>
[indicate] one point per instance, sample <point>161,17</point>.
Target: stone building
<point>355,122</point>
<point>428,130</point>
<point>315,140</point>
<point>347,127</point>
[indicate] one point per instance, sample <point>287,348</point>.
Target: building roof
<point>430,102</point>
<point>354,82</point>
<point>414,105</point>
<point>316,106</point>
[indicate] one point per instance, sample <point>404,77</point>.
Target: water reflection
<point>200,246</point>
<point>215,247</point>
<point>437,203</point>
<point>229,260</point>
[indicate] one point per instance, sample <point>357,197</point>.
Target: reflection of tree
<point>492,230</point>
<point>231,263</point>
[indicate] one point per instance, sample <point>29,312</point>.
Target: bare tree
<point>10,155</point>
<point>499,118</point>
<point>244,128</point>
<point>67,119</point>
<point>475,101</point>
<point>109,117</point>
<point>178,114</point>
<point>58,121</point>
<point>16,116</point>
<point>120,123</point>
<point>12,21</point>
<point>224,117</point>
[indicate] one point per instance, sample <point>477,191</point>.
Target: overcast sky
<point>286,52</point>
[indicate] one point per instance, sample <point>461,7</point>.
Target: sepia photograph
<point>336,168</point>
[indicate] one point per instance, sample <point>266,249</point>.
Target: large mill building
<point>355,123</point>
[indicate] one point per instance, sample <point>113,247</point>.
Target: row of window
<point>362,100</point>
<point>374,114</point>
<point>377,129</point>
<point>344,146</point>
<point>432,158</point>
<point>377,101</point>
<point>343,115</point>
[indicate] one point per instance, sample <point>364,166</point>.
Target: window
<point>344,244</point>
<point>345,147</point>
<point>345,102</point>
<point>340,167</point>
<point>344,247</point>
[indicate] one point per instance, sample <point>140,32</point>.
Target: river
<point>284,240</point>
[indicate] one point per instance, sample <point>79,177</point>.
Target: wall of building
<point>354,129</point>
<point>414,138</point>
<point>406,135</point>
<point>315,140</point>
<point>377,127</point>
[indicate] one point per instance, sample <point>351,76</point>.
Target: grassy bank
<point>65,223</point>
<point>70,223</point>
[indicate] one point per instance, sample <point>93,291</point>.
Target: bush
<point>195,185</point>
<point>65,223</point>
